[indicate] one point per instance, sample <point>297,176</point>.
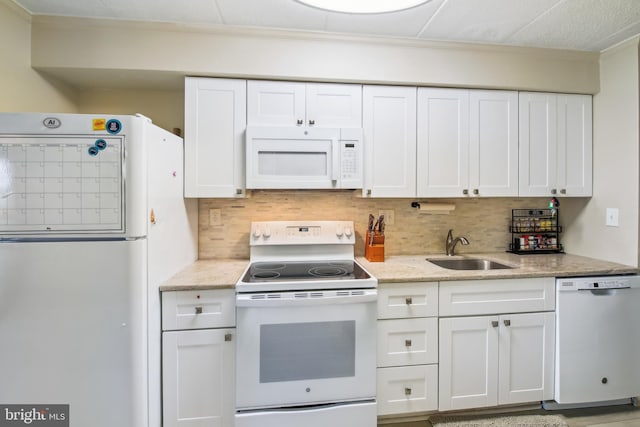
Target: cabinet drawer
<point>406,389</point>
<point>407,341</point>
<point>400,300</point>
<point>198,309</point>
<point>471,297</point>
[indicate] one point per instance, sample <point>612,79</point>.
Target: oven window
<point>304,163</point>
<point>304,351</point>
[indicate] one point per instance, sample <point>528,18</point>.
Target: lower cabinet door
<point>406,389</point>
<point>527,343</point>
<point>198,369</point>
<point>468,362</point>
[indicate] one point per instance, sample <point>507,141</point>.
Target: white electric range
<point>306,328</point>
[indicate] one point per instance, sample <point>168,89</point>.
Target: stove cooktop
<point>302,271</point>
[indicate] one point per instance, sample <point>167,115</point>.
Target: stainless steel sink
<point>467,264</point>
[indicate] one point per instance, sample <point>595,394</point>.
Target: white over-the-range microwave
<point>301,158</point>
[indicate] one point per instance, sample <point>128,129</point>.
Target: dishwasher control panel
<point>604,282</point>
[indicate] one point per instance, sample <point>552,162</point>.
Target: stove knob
<point>256,233</point>
<point>266,233</point>
<point>339,232</point>
<point>348,232</point>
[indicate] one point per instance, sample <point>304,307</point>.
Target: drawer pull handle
<point>407,391</point>
<point>198,309</point>
<point>407,343</point>
<point>408,300</point>
<point>227,337</point>
<point>507,322</point>
<point>495,323</point>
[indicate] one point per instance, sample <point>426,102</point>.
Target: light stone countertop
<point>207,274</point>
<point>417,269</point>
<point>224,273</point>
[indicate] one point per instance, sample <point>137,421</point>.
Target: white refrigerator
<point>92,221</point>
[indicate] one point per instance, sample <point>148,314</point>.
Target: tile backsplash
<point>484,221</point>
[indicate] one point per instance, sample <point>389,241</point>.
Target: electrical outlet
<point>613,217</point>
<point>389,215</point>
<point>215,217</point>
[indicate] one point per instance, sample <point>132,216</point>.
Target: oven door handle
<point>294,299</point>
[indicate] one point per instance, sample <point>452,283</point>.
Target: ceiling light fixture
<point>363,6</point>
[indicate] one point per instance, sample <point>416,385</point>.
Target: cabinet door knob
<point>554,191</point>
<point>507,322</point>
<point>238,191</point>
<point>495,323</point>
<point>368,192</point>
<point>198,309</point>
<point>408,300</point>
<point>299,122</point>
<point>563,191</point>
<point>228,337</point>
<point>476,191</point>
<point>407,391</point>
<point>407,343</point>
<point>312,122</point>
<point>465,191</point>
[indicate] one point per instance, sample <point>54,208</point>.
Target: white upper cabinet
<point>275,103</point>
<point>215,121</point>
<point>467,143</point>
<point>443,142</point>
<point>575,145</point>
<point>555,145</point>
<point>493,143</point>
<point>389,129</point>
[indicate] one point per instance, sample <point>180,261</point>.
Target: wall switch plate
<point>215,217</point>
<point>389,216</point>
<point>612,217</point>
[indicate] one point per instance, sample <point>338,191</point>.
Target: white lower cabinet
<point>407,374</point>
<point>407,389</point>
<point>198,365</point>
<point>496,359</point>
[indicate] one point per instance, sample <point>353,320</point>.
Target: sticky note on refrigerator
<point>99,124</point>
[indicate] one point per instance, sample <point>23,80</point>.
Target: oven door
<point>302,348</point>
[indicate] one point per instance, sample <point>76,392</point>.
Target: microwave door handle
<point>335,164</point>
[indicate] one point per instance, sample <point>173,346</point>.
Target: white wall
<point>21,87</point>
<point>67,46</point>
<point>616,133</point>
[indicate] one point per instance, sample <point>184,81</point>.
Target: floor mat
<point>498,421</point>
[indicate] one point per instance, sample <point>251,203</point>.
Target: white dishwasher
<point>597,340</point>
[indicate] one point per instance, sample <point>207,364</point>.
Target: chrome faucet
<point>450,244</point>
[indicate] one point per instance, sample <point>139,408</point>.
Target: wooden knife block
<point>374,252</point>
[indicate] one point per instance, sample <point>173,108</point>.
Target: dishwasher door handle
<point>605,291</point>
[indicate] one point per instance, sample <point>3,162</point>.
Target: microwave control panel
<point>351,172</point>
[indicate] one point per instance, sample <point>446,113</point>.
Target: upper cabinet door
<point>555,145</point>
<point>389,128</point>
<point>493,143</point>
<point>273,103</point>
<point>575,146</point>
<point>443,142</point>
<point>538,144</point>
<point>334,105</point>
<point>215,121</point>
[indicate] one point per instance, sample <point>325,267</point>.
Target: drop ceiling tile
<point>85,8</point>
<point>406,23</point>
<point>191,11</point>
<point>487,21</point>
<point>272,13</point>
<point>580,24</point>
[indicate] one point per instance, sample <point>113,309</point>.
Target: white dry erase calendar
<point>61,183</point>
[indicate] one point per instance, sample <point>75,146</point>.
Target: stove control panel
<point>302,233</point>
